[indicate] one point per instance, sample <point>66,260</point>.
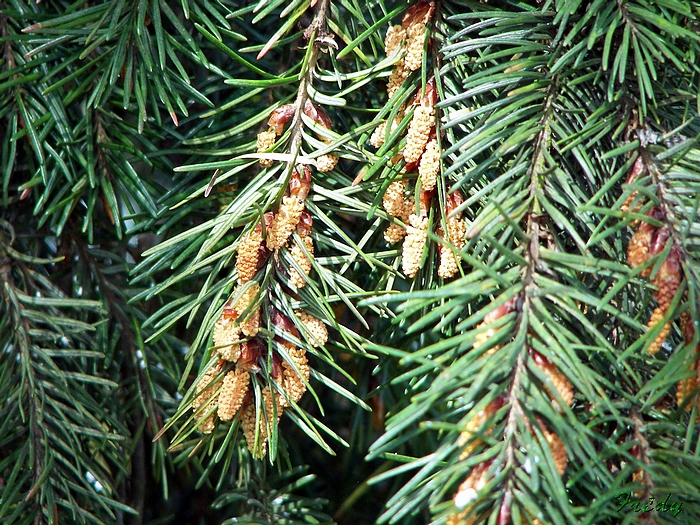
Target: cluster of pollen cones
<point>254,377</point>
<point>483,418</point>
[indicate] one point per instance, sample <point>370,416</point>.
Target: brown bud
<point>667,280</point>
<point>453,201</point>
<point>468,491</point>
<point>428,98</point>
<point>317,114</point>
<point>640,243</point>
<point>305,225</point>
<point>280,116</point>
<point>477,424</point>
<point>251,351</point>
<point>300,185</point>
<point>276,370</point>
<point>501,310</point>
<point>283,322</point>
<point>419,13</point>
<point>425,197</point>
<point>658,240</point>
<point>556,381</point>
<point>636,170</point>
<point>504,511</point>
<point>556,446</point>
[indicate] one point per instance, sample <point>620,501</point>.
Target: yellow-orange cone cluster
<point>301,258</point>
<point>266,139</point>
<point>236,333</point>
<point>456,232</point>
<point>468,492</point>
<point>414,244</point>
<point>556,383</point>
<point>408,38</point>
<point>638,169</point>
<point>647,241</point>
<point>206,397</point>
<point>291,374</point>
<point>255,375</point>
<point>686,387</point>
<point>557,448</point>
<point>667,281</point>
<point>421,153</point>
<point>487,331</point>
<point>478,424</point>
<point>233,392</point>
<point>317,331</point>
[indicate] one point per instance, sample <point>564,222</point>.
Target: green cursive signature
<point>674,508</point>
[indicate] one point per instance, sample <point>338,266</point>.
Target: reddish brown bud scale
<point>421,12</point>
<point>636,170</point>
<point>284,323</point>
<point>251,351</point>
<point>280,117</point>
<point>504,511</point>
<point>300,184</point>
<point>276,370</point>
<point>453,201</point>
<point>658,240</point>
<point>425,197</point>
<point>305,225</point>
<point>501,310</point>
<point>317,114</point>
